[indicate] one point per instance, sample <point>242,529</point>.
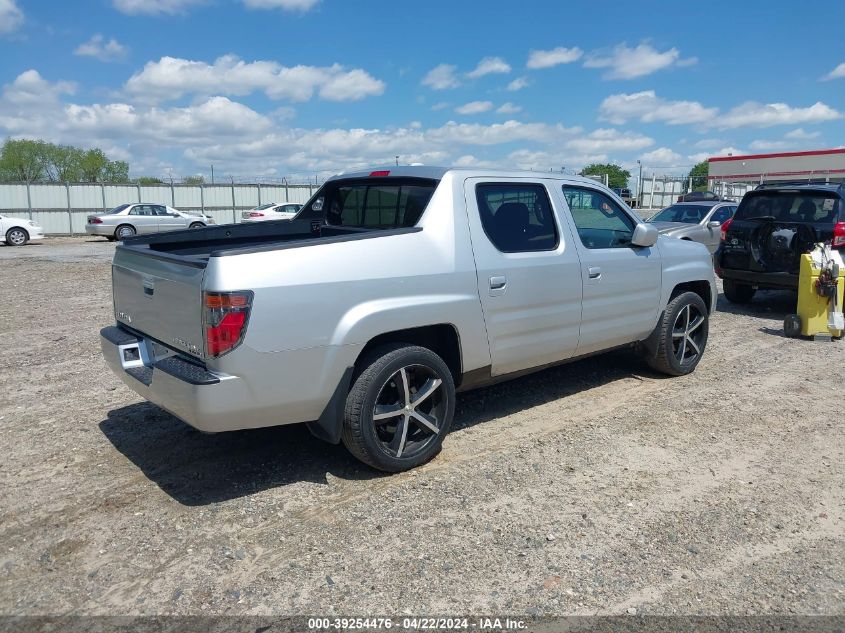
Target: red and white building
<point>820,165</point>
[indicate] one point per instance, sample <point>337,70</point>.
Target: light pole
<point>640,185</point>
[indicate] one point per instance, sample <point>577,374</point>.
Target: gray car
<point>142,218</point>
<point>695,221</point>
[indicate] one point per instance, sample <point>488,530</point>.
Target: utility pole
<point>640,185</point>
<point>212,174</point>
<point>397,161</point>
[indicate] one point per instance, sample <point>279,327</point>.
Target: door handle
<point>594,272</point>
<point>497,283</point>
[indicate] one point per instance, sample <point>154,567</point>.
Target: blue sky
<point>296,88</point>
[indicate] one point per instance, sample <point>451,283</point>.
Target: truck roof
<point>437,173</point>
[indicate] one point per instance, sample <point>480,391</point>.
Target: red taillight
<point>380,174</point>
<point>724,228</point>
<point>255,214</point>
<point>225,318</point>
<point>95,221</point>
<point>839,234</point>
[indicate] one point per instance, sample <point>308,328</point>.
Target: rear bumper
<point>264,389</point>
<point>761,280</point>
<point>99,229</point>
<point>207,401</point>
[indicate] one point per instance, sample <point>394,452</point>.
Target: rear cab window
<point>376,203</point>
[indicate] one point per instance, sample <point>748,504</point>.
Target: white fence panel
<point>217,196</point>
<point>121,194</point>
<point>49,196</point>
<point>85,197</point>
<point>52,221</point>
<point>14,197</point>
<point>187,197</point>
<point>246,196</point>
<point>300,193</point>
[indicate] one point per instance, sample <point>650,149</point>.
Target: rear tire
<point>16,236</point>
<point>124,231</point>
<point>683,332</point>
<point>400,407</point>
<point>738,293</point>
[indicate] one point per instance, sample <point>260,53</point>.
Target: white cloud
<point>553,57</point>
<point>440,105</point>
<point>154,7</point>
<point>647,107</point>
<point>800,135</point>
<point>624,62</point>
<point>171,78</point>
<point>724,151</point>
<point>287,5</point>
<point>441,77</point>
<point>662,157</point>
<point>474,107</point>
<point>98,47</point>
<point>488,66</point>
<point>518,84</point>
<point>499,133</point>
<point>836,73</point>
<point>756,114</point>
<point>609,140</point>
<point>767,146</point>
<point>709,143</point>
<point>11,16</point>
<point>31,89</point>
<point>508,108</point>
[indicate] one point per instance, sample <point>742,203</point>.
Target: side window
<point>141,209</point>
<point>600,222</point>
<point>517,217</point>
<point>159,210</point>
<point>722,215</point>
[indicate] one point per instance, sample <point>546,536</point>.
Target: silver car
<point>695,221</point>
<point>143,218</point>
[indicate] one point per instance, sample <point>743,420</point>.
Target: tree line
<point>25,160</point>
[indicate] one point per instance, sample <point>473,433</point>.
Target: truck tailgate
<point>160,297</point>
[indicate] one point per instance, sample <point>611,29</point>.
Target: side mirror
<point>645,235</point>
<point>714,224</point>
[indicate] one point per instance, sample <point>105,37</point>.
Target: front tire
<point>197,225</point>
<point>400,407</point>
<point>738,293</point>
<point>16,236</point>
<point>683,334</point>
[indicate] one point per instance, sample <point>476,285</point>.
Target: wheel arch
<point>441,338</point>
<point>701,288</point>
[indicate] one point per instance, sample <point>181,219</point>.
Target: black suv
<point>774,224</point>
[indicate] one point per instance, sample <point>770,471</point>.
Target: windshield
<point>790,206</point>
<point>684,213</point>
<point>383,203</point>
<point>118,209</point>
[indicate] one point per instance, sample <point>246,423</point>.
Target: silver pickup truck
<point>390,291</point>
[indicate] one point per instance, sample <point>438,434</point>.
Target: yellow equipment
<point>821,287</point>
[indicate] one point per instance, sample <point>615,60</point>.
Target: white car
<point>19,231</point>
<point>271,211</point>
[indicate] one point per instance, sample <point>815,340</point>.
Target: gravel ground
<point>596,487</point>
